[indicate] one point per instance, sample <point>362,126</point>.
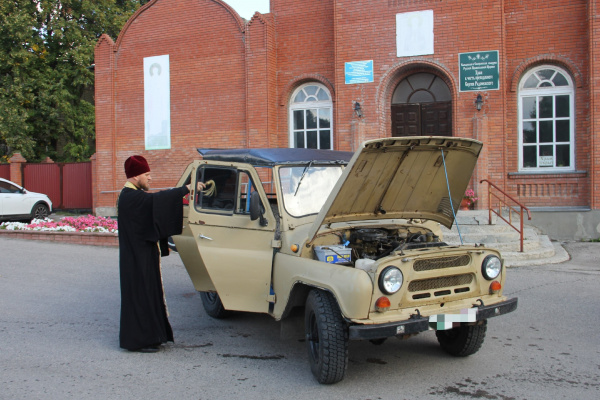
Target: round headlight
<point>390,280</point>
<point>491,267</point>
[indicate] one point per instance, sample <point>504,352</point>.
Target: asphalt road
<point>59,322</point>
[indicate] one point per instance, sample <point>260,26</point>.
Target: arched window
<point>421,88</point>
<point>311,125</point>
<point>546,120</point>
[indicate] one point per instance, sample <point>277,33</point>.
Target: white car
<point>17,203</point>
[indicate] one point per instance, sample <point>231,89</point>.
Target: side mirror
<point>256,209</point>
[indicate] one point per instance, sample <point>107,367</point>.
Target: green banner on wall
<point>479,70</point>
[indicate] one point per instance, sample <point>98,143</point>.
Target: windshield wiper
<point>302,177</point>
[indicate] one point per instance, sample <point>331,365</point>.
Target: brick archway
<point>545,59</point>
<point>394,76</point>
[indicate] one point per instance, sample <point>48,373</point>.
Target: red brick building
<point>295,76</point>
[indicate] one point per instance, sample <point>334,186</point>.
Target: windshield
<point>306,188</point>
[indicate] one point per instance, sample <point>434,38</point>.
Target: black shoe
<point>149,349</point>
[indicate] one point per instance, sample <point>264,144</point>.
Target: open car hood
<point>402,178</point>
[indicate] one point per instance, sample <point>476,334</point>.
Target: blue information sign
<point>359,72</point>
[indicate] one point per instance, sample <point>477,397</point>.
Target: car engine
<point>378,243</point>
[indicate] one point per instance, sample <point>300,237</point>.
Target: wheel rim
<point>40,212</point>
<point>313,337</point>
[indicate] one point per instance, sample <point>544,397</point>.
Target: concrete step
<point>528,245</point>
<point>517,259</point>
<point>474,229</point>
<point>488,234</point>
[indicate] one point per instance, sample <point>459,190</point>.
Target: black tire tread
<point>333,338</point>
<point>214,309</point>
<point>467,341</point>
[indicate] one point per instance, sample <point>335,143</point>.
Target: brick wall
<point>593,110</point>
<point>205,43</point>
<point>547,32</point>
<point>231,80</point>
<point>305,52</point>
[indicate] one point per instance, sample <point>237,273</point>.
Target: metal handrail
<point>502,202</point>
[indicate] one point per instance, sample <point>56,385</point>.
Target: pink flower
<point>470,196</point>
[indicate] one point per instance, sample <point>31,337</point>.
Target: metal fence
<point>5,171</point>
<point>69,185</point>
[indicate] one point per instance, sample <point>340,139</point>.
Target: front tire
<point>39,211</point>
<point>213,305</point>
<point>326,337</point>
<point>463,340</point>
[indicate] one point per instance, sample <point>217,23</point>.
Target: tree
<point>46,74</point>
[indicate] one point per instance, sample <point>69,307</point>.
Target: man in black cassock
<point>146,220</point>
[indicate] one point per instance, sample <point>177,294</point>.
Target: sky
<point>247,8</point>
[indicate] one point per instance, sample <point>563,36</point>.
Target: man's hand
<point>199,186</point>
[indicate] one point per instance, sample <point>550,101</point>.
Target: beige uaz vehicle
<point>354,239</point>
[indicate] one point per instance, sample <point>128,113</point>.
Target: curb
<point>85,238</point>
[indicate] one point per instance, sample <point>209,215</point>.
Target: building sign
<point>414,33</point>
<point>545,161</point>
<point>157,103</point>
<point>479,71</point>
<point>359,72</point>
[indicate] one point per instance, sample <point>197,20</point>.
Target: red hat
<point>136,165</point>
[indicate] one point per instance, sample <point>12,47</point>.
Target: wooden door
<point>406,120</point>
<point>426,119</point>
<point>436,119</point>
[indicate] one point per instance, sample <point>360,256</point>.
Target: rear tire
<point>326,337</point>
<point>213,305</point>
<point>463,340</point>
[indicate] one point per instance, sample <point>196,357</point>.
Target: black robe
<point>144,220</point>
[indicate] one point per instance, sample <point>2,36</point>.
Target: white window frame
<point>306,105</point>
<point>541,92</point>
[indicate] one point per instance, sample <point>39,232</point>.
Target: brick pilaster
<point>594,106</point>
<point>104,174</point>
<point>260,82</point>
<point>16,168</point>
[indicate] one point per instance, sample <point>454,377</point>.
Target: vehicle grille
<point>438,283</point>
<point>429,264</point>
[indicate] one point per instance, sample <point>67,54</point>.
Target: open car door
<point>232,254</point>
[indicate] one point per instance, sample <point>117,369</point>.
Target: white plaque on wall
<point>157,103</point>
<point>414,33</point>
<point>545,161</point>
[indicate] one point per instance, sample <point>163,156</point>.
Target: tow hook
<point>480,304</point>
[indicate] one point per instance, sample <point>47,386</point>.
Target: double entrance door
<point>422,119</point>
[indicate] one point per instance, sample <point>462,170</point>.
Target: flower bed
<point>87,223</point>
<point>88,229</point>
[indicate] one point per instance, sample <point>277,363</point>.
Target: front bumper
<point>418,323</point>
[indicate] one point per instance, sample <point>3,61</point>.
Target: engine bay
<point>376,243</point>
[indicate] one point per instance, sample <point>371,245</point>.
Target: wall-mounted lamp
<point>358,109</point>
<point>478,102</point>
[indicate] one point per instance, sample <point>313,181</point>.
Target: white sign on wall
<point>545,161</point>
<point>157,103</point>
<point>414,33</point>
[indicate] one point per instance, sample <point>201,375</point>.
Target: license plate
<point>442,322</point>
